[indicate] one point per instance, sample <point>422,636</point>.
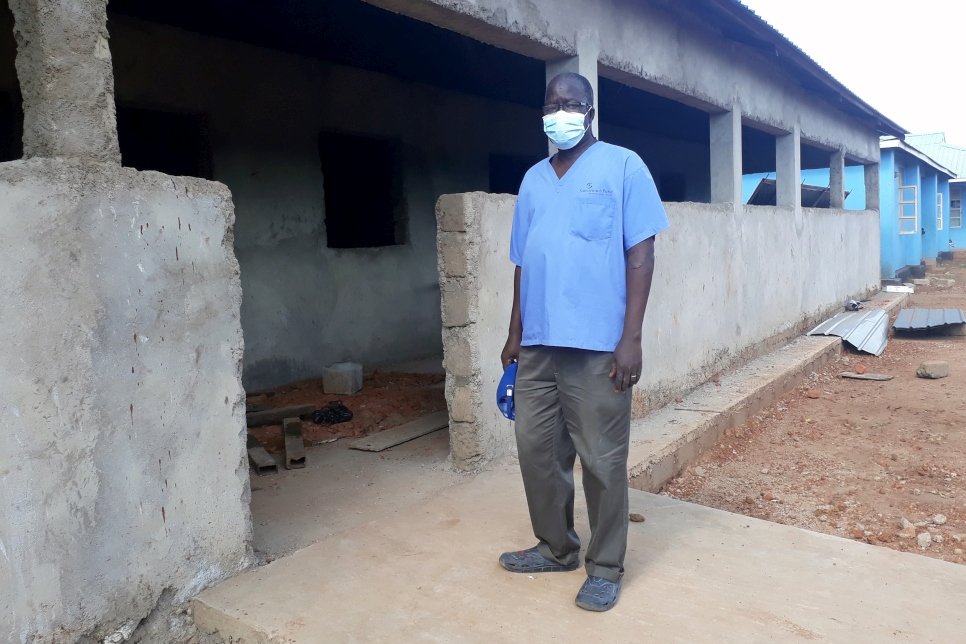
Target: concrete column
<point>726,157</point>
<point>788,168</point>
<point>66,78</point>
<point>871,186</point>
<point>837,180</point>
<point>585,64</point>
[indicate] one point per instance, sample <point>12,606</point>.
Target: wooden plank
<point>261,460</point>
<point>402,434</point>
<point>276,415</point>
<point>294,445</point>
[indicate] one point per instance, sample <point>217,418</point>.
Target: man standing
<point>583,245</point>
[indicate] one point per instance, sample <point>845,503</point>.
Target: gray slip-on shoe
<point>532,561</point>
<point>598,594</point>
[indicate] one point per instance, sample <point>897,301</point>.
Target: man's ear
<point>590,117</point>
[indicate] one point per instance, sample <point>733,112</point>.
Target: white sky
<point>903,58</point>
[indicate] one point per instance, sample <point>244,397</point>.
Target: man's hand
<point>511,350</point>
<point>626,368</point>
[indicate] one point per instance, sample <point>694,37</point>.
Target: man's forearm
<point>640,271</point>
<point>516,320</point>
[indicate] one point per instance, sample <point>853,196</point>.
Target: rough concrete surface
<point>709,309</point>
<point>694,574</point>
<point>683,57</point>
<point>66,79</point>
<point>476,281</point>
<point>341,488</point>
<point>123,475</point>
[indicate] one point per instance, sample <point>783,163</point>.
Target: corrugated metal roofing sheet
<point>946,154</point>
<point>867,331</point>
<point>919,319</point>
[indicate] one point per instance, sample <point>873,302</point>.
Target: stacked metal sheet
<point>922,319</point>
<point>867,331</point>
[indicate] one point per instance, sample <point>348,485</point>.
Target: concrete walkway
<point>404,550</point>
<point>694,575</point>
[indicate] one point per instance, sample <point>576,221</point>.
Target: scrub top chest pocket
<point>594,217</point>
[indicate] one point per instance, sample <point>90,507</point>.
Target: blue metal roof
<point>921,319</point>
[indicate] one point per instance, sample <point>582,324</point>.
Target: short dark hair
<point>571,77</point>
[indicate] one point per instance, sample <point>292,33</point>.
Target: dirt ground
<point>880,462</point>
<point>386,400</point>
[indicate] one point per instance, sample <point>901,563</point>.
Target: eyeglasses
<point>570,106</point>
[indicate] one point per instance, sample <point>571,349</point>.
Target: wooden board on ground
<point>402,434</point>
<point>276,415</point>
<point>879,377</point>
<point>294,445</point>
<point>261,460</point>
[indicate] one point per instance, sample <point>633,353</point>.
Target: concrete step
<point>694,575</point>
<point>668,439</point>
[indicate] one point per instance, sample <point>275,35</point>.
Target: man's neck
<point>566,157</point>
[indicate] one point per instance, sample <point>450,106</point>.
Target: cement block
<point>457,310</point>
<point>453,249</point>
<point>451,213</point>
<point>462,407</point>
<point>922,282</point>
<point>342,378</point>
<point>933,369</point>
<point>458,355</point>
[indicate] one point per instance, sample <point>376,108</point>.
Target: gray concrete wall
<point>476,279</point>
<point>62,47</point>
<point>656,46</point>
<point>726,285</point>
<point>305,305</point>
<point>123,474</point>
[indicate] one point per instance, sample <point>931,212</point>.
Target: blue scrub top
<point>569,237</point>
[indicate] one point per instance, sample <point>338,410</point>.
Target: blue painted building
<point>917,214</point>
<point>954,158</point>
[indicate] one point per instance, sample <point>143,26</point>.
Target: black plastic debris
<point>332,414</point>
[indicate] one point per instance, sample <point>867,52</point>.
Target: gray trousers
<point>566,405</point>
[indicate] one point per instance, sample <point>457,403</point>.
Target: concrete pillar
<point>871,186</point>
<point>837,180</point>
<point>66,79</point>
<point>788,168</point>
<point>726,157</point>
<point>585,64</point>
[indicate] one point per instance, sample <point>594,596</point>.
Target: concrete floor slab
<point>341,488</point>
<point>429,574</point>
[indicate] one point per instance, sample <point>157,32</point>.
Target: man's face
<point>568,94</point>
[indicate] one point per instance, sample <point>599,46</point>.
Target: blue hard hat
<point>504,391</point>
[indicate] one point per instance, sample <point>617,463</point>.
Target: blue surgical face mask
<point>565,129</point>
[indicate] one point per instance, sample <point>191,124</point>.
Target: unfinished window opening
<point>854,184</point>
<point>816,178</point>
<point>168,142</point>
<point>11,107</point>
<point>758,166</point>
<point>363,192</point>
<point>672,138</point>
<point>507,170</point>
<point>336,125</point>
